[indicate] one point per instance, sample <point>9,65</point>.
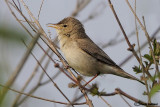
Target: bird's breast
<point>79,59</point>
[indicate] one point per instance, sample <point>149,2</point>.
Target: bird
<point>82,54</point>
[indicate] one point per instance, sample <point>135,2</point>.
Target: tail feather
<point>124,74</point>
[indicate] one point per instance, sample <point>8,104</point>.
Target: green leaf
<point>148,57</point>
<point>137,69</point>
<point>156,49</point>
<point>146,63</point>
<point>154,45</point>
<point>94,90</point>
<point>144,93</point>
<point>154,90</point>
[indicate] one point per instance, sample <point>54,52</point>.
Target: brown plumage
<point>82,53</point>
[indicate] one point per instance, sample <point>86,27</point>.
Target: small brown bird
<point>82,53</point>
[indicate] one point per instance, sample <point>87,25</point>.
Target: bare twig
<point>151,49</point>
<point>19,5</point>
<point>124,33</point>
<point>132,98</point>
<point>141,47</point>
<point>40,9</point>
<point>119,91</point>
<point>125,100</point>
<point>30,24</point>
<point>40,98</point>
<point>146,84</point>
<point>35,20</point>
<point>17,17</point>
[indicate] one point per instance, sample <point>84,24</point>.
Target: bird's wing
<point>92,49</point>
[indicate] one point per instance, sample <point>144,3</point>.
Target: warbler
<point>82,54</point>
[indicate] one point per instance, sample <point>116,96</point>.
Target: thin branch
<point>146,84</point>
<point>19,5</point>
<point>17,18</point>
<point>120,25</point>
<point>40,9</point>
<point>132,98</point>
<point>35,20</point>
<point>141,47</point>
<point>30,24</point>
<point>151,49</point>
<point>40,98</point>
<point>125,100</point>
<point>119,91</point>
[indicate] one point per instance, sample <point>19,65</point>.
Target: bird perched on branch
<point>82,53</point>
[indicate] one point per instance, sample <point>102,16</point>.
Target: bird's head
<point>68,27</point>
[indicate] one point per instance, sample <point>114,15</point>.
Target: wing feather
<point>92,49</point>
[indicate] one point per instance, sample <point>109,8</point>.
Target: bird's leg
<point>92,79</point>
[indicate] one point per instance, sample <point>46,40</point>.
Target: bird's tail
<point>124,74</point>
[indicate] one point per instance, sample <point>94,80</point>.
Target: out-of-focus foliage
<point>154,90</point>
<point>137,69</point>
<point>12,34</point>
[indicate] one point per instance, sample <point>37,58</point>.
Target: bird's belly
<point>81,61</point>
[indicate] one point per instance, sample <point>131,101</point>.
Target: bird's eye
<point>64,25</point>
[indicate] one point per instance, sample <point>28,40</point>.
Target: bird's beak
<point>53,25</point>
